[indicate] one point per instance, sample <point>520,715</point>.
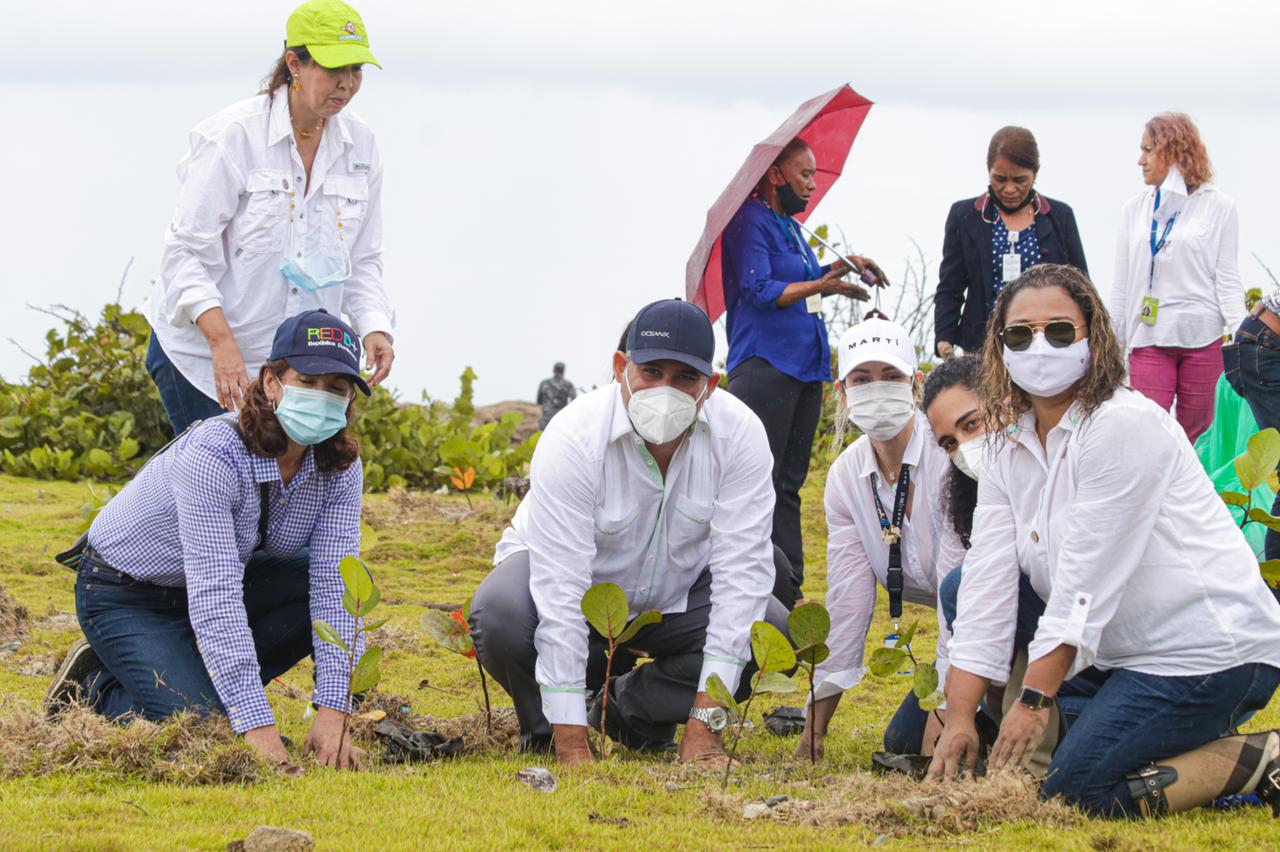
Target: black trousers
<point>790,410</point>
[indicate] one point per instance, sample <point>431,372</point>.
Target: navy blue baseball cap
<point>672,330</point>
<point>316,343</point>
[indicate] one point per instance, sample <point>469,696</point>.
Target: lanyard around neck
<point>892,534</point>
<point>792,235</point>
<point>1157,245</point>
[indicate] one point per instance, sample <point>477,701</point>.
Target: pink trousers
<point>1167,374</point>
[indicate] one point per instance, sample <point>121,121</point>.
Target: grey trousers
<point>651,699</point>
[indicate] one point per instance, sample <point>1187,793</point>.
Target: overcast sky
<point>549,165</point>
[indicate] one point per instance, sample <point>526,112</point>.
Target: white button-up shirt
<point>1121,532</point>
<point>599,511</point>
<point>858,556</point>
<point>245,204</point>
<point>1197,272</point>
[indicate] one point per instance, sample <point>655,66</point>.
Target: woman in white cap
<point>280,212</point>
<point>886,524</point>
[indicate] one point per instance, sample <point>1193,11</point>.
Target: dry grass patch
<point>13,617</point>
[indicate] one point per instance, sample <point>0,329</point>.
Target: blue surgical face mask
<point>311,416</point>
<point>320,272</point>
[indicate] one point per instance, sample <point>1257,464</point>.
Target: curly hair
<point>1176,140</point>
<point>1004,402</point>
<point>264,436</point>
<point>960,492</point>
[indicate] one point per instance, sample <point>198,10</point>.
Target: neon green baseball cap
<point>332,33</point>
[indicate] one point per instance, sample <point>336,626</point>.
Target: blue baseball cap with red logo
<point>316,343</point>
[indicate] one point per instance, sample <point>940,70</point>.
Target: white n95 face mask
<point>969,456</point>
<point>660,415</point>
<point>1043,369</point>
<point>881,409</point>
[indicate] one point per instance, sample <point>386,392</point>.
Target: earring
<point>297,84</point>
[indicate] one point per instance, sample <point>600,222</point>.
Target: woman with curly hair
<point>1177,281</point>
<point>1095,493</point>
<point>200,579</point>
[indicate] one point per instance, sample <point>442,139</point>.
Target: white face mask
<point>969,457</point>
<point>881,409</point>
<point>662,414</point>
<point>1045,370</point>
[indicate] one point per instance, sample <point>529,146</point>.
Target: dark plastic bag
<point>405,745</point>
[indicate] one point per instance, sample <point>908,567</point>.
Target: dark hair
<point>795,146</point>
<point>280,75</point>
<point>960,493</point>
<point>1017,145</point>
<point>264,436</point>
<point>622,341</point>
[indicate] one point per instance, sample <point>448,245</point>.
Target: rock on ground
<point>268,838</point>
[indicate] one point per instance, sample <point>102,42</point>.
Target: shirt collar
<point>268,469</point>
<point>911,456</point>
<point>280,127</point>
<point>1024,431</point>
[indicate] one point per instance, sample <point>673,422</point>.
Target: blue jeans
<point>1252,368</point>
<point>183,402</point>
<point>142,635</point>
<point>1138,719</point>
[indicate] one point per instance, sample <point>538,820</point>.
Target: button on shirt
<point>190,518</point>
<point>858,556</point>
<point>599,511</point>
<point>1197,272</point>
<point>244,205</point>
<point>1121,532</point>
<point>760,257</point>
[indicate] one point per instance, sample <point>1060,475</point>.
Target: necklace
<point>306,134</point>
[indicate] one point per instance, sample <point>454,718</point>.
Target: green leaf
<point>363,608</point>
<point>775,683</point>
<point>638,623</point>
<point>721,694</point>
<point>444,628</point>
<point>1271,572</point>
<point>809,625</point>
<point>370,626</point>
<point>328,634</point>
<point>466,609</point>
<point>772,651</point>
<point>605,606</point>
<point>1265,518</point>
<point>925,682</point>
<point>886,661</point>
<point>933,702</point>
<point>1256,463</point>
<point>356,577</point>
<point>821,231</point>
<point>128,449</point>
<point>813,655</point>
<point>367,674</point>
<point>904,641</point>
<point>1234,498</point>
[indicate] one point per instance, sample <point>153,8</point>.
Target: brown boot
<point>1228,766</point>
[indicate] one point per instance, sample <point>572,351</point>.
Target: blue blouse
<point>1028,250</point>
<point>761,253</point>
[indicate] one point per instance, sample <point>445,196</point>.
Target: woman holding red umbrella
<point>779,357</point>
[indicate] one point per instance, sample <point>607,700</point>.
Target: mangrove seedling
<point>453,633</point>
<point>606,609</point>
<point>887,661</point>
<point>809,625</point>
<point>1254,467</point>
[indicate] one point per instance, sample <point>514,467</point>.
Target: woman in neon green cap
<point>280,212</point>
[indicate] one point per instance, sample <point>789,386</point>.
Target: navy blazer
<point>966,278</point>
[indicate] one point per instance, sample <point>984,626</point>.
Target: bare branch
<point>123,276</point>
<point>1265,268</point>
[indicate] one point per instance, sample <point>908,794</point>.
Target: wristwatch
<point>1034,699</point>
<point>715,718</point>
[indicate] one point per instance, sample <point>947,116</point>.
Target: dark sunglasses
<point>1059,333</point>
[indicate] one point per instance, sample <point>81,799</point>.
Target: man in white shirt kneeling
<point>661,485</point>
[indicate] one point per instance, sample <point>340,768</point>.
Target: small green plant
<point>606,608</point>
<point>774,657</point>
<point>809,625</point>
<point>452,631</point>
<point>360,598</point>
<point>888,661</point>
<point>1254,467</point>
<point>462,480</point>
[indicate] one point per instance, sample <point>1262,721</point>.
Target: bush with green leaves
<point>606,609</point>
<point>359,600</point>
<point>1254,467</point>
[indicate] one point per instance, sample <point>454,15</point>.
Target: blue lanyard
<point>1157,246</point>
<point>791,235</point>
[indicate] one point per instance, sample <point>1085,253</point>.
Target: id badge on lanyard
<point>1011,263</point>
<point>812,304</point>
<point>1150,308</point>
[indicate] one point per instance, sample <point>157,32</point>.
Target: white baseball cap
<point>876,340</point>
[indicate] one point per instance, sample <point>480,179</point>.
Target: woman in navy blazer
<point>1009,228</point>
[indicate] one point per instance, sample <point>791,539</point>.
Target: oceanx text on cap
<point>672,330</point>
<point>876,340</point>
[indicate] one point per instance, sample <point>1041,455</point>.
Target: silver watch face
<point>714,718</point>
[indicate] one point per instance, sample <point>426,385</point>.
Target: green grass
<point>432,550</point>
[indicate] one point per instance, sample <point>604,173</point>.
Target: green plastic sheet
<point>1233,425</point>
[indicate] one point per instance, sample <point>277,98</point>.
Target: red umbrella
<point>829,124</point>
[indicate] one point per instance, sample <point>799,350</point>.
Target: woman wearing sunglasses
<point>1177,284</point>
<point>1096,495</point>
<point>991,239</point>
<point>885,524</point>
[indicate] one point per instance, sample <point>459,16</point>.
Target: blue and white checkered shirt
<point>190,518</point>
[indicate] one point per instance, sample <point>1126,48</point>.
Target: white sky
<point>549,165</point>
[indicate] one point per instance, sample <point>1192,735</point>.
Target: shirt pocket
<point>689,526</point>
<point>1193,238</point>
<point>616,529</point>
<point>345,203</point>
<point>261,227</point>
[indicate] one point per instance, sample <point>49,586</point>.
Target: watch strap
<point>1034,699</point>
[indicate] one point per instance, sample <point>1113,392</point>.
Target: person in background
<point>554,394</point>
<point>201,578</point>
<point>990,240</point>
<point>887,526</point>
<point>779,358</point>
<point>1177,280</point>
<point>1096,494</point>
<point>660,484</point>
<point>280,212</point>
